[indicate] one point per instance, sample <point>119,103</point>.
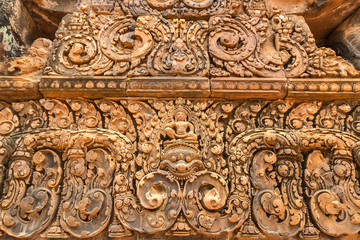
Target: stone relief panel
<point>84,168</point>
<point>240,47</point>
<point>30,192</point>
<point>151,166</point>
<point>92,45</point>
<point>170,47</point>
<point>300,55</point>
<point>33,62</point>
<point>216,39</point>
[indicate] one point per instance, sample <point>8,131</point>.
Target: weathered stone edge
<point>231,88</point>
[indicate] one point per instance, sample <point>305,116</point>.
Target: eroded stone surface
<point>47,14</point>
<point>17,29</point>
<point>322,16</point>
<point>346,40</point>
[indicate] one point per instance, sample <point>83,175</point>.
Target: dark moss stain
<point>10,46</point>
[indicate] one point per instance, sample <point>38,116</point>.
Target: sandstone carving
<point>236,46</point>
<point>208,119</point>
<point>165,41</point>
<point>183,8</point>
<point>170,47</point>
<point>83,49</point>
<point>33,62</point>
<point>300,54</point>
<point>197,168</point>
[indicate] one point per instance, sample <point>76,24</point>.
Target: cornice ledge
<point>14,88</point>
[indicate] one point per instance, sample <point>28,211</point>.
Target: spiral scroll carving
<point>179,167</point>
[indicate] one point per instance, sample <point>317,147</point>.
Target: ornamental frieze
<point>80,168</point>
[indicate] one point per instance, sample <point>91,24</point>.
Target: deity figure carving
<point>180,128</point>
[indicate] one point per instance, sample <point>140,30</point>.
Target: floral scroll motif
<point>210,208</point>
<point>159,197</point>
<point>183,8</point>
<point>238,45</point>
<point>332,186</point>
<point>170,47</point>
<point>86,195</point>
<point>179,167</point>
<point>172,182</point>
<point>277,200</point>
<point>83,48</point>
<point>31,185</point>
<point>202,38</point>
<point>274,163</point>
<point>301,56</point>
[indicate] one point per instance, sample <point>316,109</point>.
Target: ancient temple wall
<point>179,120</point>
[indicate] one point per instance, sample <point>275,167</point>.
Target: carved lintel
<point>230,88</point>
<point>180,118</point>
<point>179,167</point>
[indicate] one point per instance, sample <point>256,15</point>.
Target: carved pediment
<point>230,49</point>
